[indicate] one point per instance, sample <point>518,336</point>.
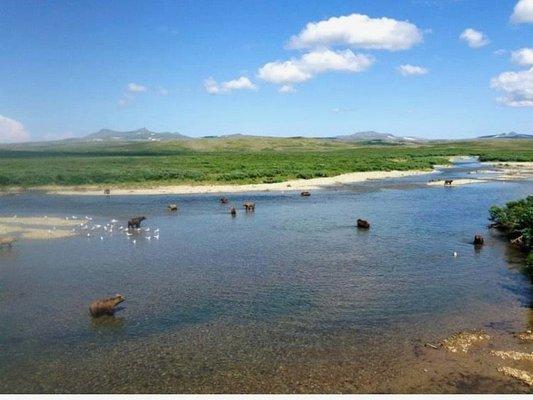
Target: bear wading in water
<point>105,306</point>
<point>363,224</point>
<point>249,206</point>
<point>135,223</point>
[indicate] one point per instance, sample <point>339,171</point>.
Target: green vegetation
<point>516,220</point>
<point>227,160</point>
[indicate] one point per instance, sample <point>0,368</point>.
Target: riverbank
<point>514,170</point>
<point>37,228</point>
<point>502,171</point>
<point>295,185</point>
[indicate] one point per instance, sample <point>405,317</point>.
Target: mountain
<point>142,134</point>
<point>377,136</point>
<point>508,135</point>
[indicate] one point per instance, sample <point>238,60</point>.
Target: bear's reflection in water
<point>108,323</point>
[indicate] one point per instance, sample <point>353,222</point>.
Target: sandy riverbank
<point>37,227</point>
<point>502,171</point>
<point>296,184</point>
<point>457,182</point>
<point>514,170</point>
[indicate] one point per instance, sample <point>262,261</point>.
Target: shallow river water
<point>290,298</point>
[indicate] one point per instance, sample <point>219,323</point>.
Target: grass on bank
<point>515,219</point>
<point>231,160</point>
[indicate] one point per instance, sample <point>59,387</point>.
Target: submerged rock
<point>513,355</point>
<point>462,341</point>
<point>526,336</point>
<point>519,374</point>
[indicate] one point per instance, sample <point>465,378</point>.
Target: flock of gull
<point>90,229</point>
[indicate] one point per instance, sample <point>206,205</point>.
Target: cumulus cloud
<point>408,69</point>
<point>287,89</point>
<point>12,131</point>
<point>136,88</point>
<point>243,83</point>
<point>523,12</point>
<point>523,56</point>
<point>301,69</point>
<point>358,31</point>
<point>517,88</point>
<point>133,90</point>
<point>238,84</point>
<point>473,38</point>
<point>285,72</point>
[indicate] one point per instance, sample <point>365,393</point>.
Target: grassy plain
<point>238,160</point>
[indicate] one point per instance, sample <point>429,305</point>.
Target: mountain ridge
<point>507,135</point>
<point>142,134</point>
<point>377,136</point>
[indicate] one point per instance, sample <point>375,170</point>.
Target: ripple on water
<point>220,303</point>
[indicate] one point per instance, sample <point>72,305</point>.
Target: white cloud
<point>283,72</point>
<point>302,69</point>
<point>358,31</point>
<point>328,60</point>
<point>12,131</point>
<point>475,39</point>
<point>136,88</point>
<point>523,12</point>
<point>242,83</point>
<point>500,52</point>
<point>211,86</point>
<point>516,86</point>
<point>287,89</point>
<point>238,84</point>
<point>408,69</point>
<point>523,56</point>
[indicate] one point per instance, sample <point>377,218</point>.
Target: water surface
<point>256,302</point>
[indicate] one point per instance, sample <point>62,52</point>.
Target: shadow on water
<point>108,323</point>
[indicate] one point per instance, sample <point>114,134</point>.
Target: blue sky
<point>69,68</point>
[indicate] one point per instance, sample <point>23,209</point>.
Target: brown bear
<point>105,306</point>
<point>249,206</point>
<point>361,223</point>
<point>135,222</point>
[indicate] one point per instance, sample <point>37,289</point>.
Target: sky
<point>428,68</point>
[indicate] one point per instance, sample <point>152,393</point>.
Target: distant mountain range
<point>142,134</point>
<point>368,137</point>
<point>377,136</point>
<point>508,135</point>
